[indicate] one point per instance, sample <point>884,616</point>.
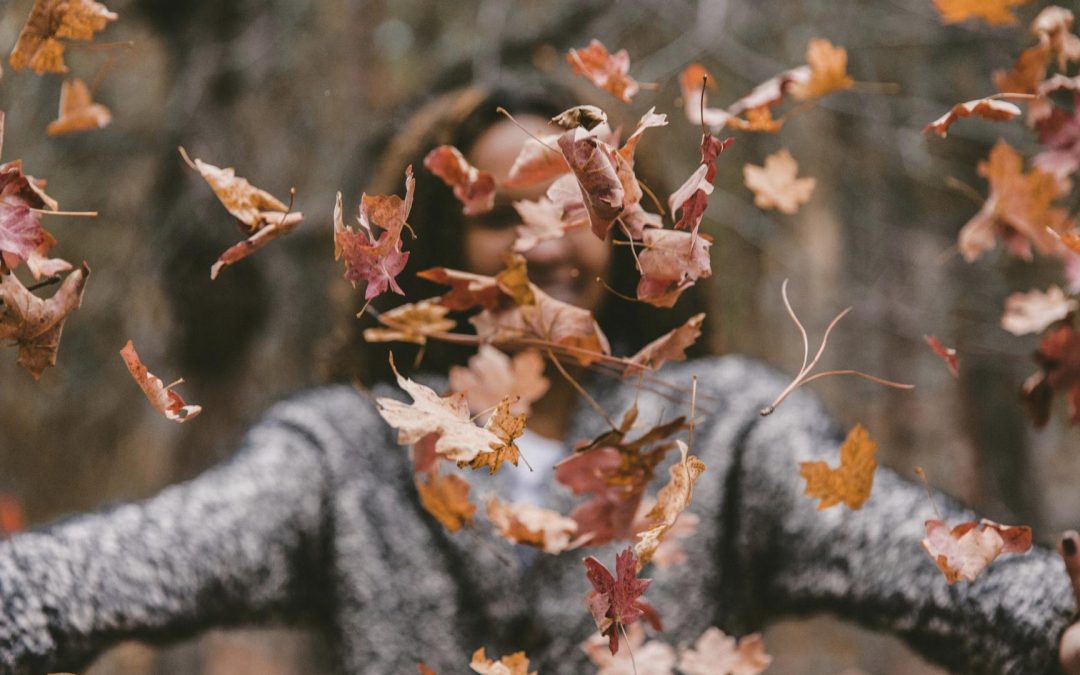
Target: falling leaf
<point>475,189</point>
<point>965,551</point>
<point>424,670</point>
<point>828,71</point>
<point>1059,371</point>
<point>671,262</point>
<point>594,165</point>
<point>542,220</point>
<point>163,398</point>
<point>34,324</point>
<point>515,664</point>
<point>507,427</point>
<point>849,483</point>
<point>714,653</point>
<point>446,497</point>
<point>459,438</point>
<point>493,376</point>
<point>986,108</point>
<point>1026,74</point>
<point>1019,208</point>
<point>588,117</point>
<point>672,500</point>
<point>775,185</point>
<point>993,12</point>
<point>78,112</point>
<point>376,260</point>
<point>513,280</point>
<point>1053,26</point>
<point>263,217</point>
<point>671,346</point>
<point>1034,311</point>
<point>412,322</point>
<point>39,45</point>
<point>614,601</point>
<point>607,71</point>
<point>531,525</point>
<point>538,162</point>
<point>692,83</point>
<point>654,657</point>
<point>692,197</point>
<point>21,234</point>
<point>947,354</point>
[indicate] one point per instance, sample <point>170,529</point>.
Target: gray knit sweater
<point>316,518</point>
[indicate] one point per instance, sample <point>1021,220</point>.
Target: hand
<point>1069,649</point>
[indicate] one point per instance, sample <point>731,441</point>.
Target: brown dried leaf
<point>715,652</point>
<point>34,324</point>
<point>532,525</point>
<point>412,322</point>
<point>376,260</point>
<point>850,482</point>
<point>78,112</point>
<point>607,71</point>
<point>475,189</point>
<point>986,108</point>
<point>446,497</point>
<point>161,397</point>
<point>967,549</point>
<point>671,346</point>
<point>828,71</point>
<point>39,45</point>
<point>539,161</point>
<point>673,260</point>
<point>508,427</point>
<point>672,500</point>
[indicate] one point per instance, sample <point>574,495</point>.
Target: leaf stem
<point>581,391</point>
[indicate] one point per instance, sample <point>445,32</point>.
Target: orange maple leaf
<point>515,664</point>
<point>849,483</point>
<point>993,12</point>
<point>446,497</point>
<point>39,45</point>
<point>607,71</point>
<point>78,112</point>
<point>828,71</point>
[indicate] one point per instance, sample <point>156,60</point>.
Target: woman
<point>316,518</point>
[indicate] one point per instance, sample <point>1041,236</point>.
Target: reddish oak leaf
<point>39,45</point>
<point>532,525</point>
<point>671,501</point>
<point>715,652</point>
<point>671,262</point>
<point>493,376</point>
<point>964,551</point>
<point>515,664</point>
<point>671,346</point>
<point>850,482</point>
<point>1019,209</point>
<point>986,108</point>
<point>594,165</point>
<point>993,12</point>
<point>607,71</point>
<point>163,398</point>
<point>946,354</point>
<point>376,260</point>
<point>459,438</point>
<point>1059,360</point>
<point>614,601</point>
<point>446,497</point>
<point>475,189</point>
<point>34,324</point>
<point>1034,311</point>
<point>78,112</point>
<point>775,185</point>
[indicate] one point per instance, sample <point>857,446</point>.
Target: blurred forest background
<point>291,91</point>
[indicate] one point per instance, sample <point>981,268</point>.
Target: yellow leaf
<point>849,483</point>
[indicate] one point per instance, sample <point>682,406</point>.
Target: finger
<point>1069,650</point>
<point>1070,552</point>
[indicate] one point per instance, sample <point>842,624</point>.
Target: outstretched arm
<point>868,566</point>
<point>242,542</point>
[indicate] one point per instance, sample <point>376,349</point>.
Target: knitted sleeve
<point>868,565</point>
<point>243,542</point>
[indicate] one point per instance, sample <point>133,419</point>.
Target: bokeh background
<point>291,92</point>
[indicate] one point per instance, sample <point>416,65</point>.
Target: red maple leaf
<point>613,601</point>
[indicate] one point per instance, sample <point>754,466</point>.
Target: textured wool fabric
<point>316,519</point>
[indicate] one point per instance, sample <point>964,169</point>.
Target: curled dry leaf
<point>828,71</point>
<point>672,500</point>
<point>946,354</point>
<point>850,482</point>
<point>671,262</point>
<point>446,497</point>
<point>78,112</point>
<point>412,322</point>
<point>605,70</point>
<point>35,325</point>
<point>542,220</point>
<point>654,657</point>
<point>21,234</point>
<point>467,290</point>
<point>376,260</point>
<point>964,551</point>
<point>671,346</point>
<point>775,185</point>
<point>1034,311</point>
<point>492,376</point>
<point>531,525</point>
<point>1059,371</point>
<point>459,438</point>
<point>161,397</point>
<point>595,167</point>
<point>515,664</point>
<point>1019,209</point>
<point>508,427</point>
<point>715,652</point>
<point>993,12</point>
<point>475,189</point>
<point>263,216</point>
<point>614,600</point>
<point>39,45</point>
<point>589,117</point>
<point>986,108</point>
<point>539,161</point>
<point>692,197</point>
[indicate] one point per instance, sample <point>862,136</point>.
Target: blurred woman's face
<point>564,268</point>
